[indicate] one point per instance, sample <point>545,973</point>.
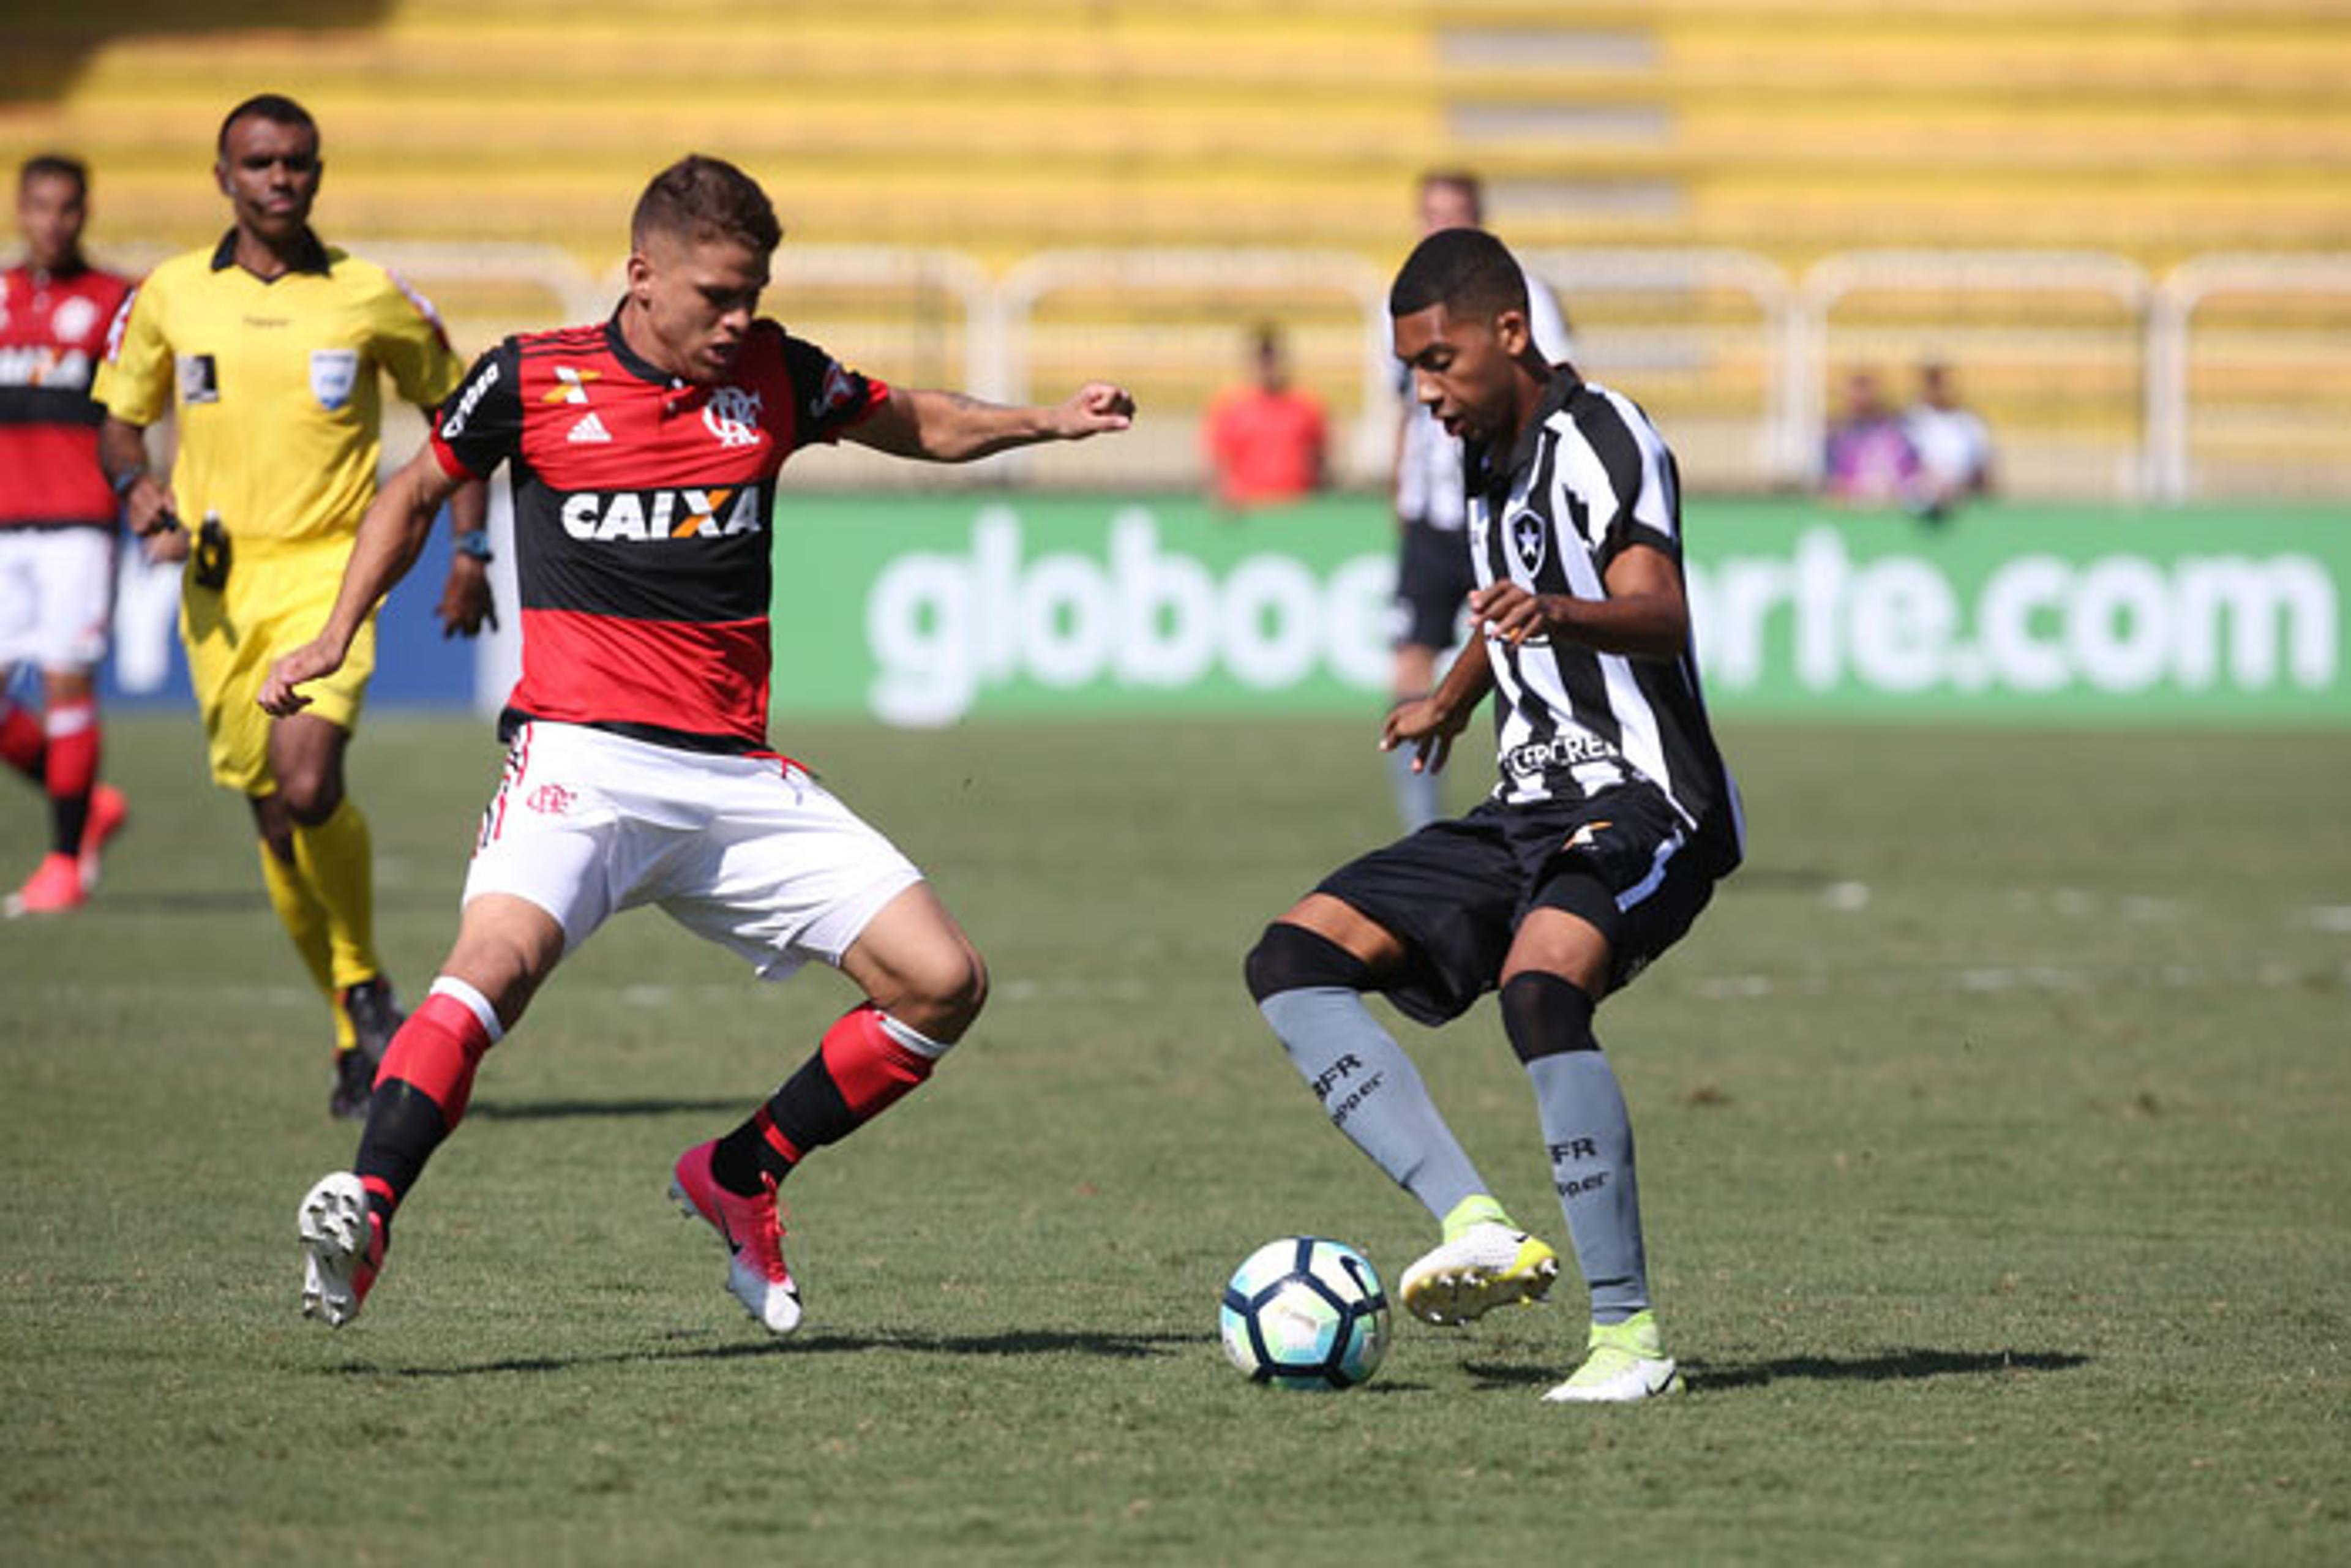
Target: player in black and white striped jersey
<point>1613,820</point>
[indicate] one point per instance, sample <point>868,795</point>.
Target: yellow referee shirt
<point>276,384</point>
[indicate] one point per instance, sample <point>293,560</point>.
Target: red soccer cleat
<point>54,888</point>
<point>754,1233</point>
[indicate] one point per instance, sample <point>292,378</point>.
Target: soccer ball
<point>1305,1313</point>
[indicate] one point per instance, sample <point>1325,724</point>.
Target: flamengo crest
<point>732,415</point>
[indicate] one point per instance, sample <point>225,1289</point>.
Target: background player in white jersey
<point>642,508</point>
<point>1432,566</point>
<point>1612,820</point>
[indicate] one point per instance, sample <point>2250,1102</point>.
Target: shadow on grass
<point>204,901</point>
<point>1887,1366</point>
<point>564,1110</point>
<point>1031,1341</point>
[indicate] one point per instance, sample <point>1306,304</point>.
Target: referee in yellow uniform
<point>270,348</point>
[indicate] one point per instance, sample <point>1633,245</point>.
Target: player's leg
<point>924,984</point>
<point>62,626</point>
<point>506,948</point>
<point>85,811</point>
<point>1557,970</point>
<point>543,878</point>
<point>1615,900</point>
<point>787,872</point>
<point>62,759</point>
<point>1309,972</point>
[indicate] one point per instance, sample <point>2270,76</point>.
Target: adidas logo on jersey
<point>588,431</point>
<point>596,516</point>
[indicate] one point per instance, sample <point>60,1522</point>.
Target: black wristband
<point>474,545</point>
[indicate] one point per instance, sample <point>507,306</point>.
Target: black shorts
<point>1455,892</point>
<point>1433,577</point>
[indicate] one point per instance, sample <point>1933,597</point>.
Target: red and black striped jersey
<point>642,510</point>
<point>53,329</point>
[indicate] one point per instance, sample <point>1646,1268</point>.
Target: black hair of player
<point>54,166</point>
<point>698,198</point>
<point>273,106</point>
<point>1468,271</point>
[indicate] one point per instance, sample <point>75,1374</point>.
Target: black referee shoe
<point>375,1018</point>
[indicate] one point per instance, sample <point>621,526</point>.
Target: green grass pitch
<point>1995,1129</point>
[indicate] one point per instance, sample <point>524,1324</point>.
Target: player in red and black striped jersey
<point>643,454</point>
<point>57,525</point>
<point>641,503</point>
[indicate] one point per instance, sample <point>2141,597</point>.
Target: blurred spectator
<point>1868,460</point>
<point>1953,443</point>
<point>1266,441</point>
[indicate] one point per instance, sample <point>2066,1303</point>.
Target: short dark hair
<point>1465,270</point>
<point>274,107</point>
<point>699,198</point>
<point>54,166</point>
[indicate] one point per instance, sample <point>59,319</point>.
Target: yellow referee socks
<point>337,858</point>
<point>305,919</point>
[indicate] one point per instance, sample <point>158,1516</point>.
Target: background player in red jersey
<point>57,525</point>
<point>643,454</point>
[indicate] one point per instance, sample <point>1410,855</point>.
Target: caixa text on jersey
<point>641,516</point>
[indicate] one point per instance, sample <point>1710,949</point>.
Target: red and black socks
<point>421,1090</point>
<point>866,1063</point>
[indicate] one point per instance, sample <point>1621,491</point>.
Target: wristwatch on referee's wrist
<point>474,545</point>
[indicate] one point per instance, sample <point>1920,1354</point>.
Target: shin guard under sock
<point>866,1063</point>
<point>69,771</point>
<point>1589,1136</point>
<point>423,1089</point>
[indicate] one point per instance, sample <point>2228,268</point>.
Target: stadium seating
<point>1791,129</point>
<point>1002,126</point>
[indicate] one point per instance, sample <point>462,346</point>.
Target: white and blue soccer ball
<point>1305,1313</point>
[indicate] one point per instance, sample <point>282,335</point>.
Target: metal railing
<point>2228,374</point>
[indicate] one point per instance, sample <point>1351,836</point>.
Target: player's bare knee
<point>956,993</point>
<point>506,950</point>
<point>310,794</point>
<point>939,993</point>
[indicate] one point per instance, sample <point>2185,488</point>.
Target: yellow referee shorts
<point>277,600</point>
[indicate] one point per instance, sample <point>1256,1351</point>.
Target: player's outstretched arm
<point>955,427</point>
<point>390,538</point>
<point>1428,723</point>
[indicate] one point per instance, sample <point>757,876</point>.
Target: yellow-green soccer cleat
<point>1627,1361</point>
<point>1487,1265</point>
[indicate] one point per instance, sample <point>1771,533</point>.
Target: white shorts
<point>749,851</point>
<point>57,591</point>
